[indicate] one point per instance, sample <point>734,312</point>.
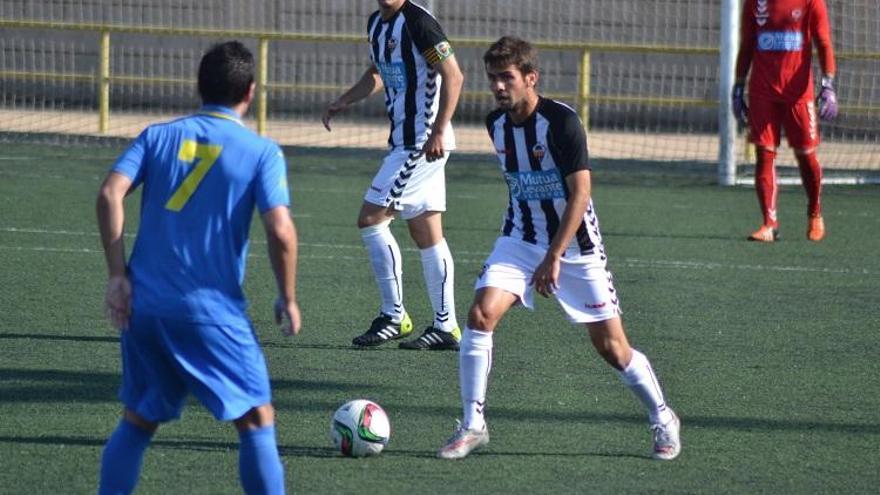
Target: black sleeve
<point>568,142</point>
<point>426,33</point>
<point>490,121</point>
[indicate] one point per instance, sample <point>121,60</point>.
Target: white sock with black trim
<point>474,365</point>
<point>439,274</point>
<point>387,267</point>
<point>639,377</point>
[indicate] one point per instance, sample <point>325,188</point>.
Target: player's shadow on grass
<point>53,386</point>
<point>63,338</point>
<point>197,445</point>
<point>292,344</point>
<point>313,385</point>
<point>655,235</point>
<point>23,385</point>
<point>285,450</point>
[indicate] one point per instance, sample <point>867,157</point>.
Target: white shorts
<point>410,184</point>
<point>586,289</point>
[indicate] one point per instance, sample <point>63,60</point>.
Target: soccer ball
<point>360,428</point>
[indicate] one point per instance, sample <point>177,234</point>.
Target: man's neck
<point>240,109</point>
<point>522,112</point>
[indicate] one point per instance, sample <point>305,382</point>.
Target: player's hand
<point>738,100</point>
<point>546,276</point>
<point>117,301</point>
<point>827,100</point>
<point>331,111</point>
<point>287,317</point>
<point>433,148</point>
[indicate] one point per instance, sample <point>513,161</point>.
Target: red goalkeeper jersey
<point>776,41</point>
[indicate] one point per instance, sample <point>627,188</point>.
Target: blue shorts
<point>164,360</point>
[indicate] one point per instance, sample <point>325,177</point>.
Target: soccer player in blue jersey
<point>179,303</point>
<point>550,243</point>
<point>413,62</point>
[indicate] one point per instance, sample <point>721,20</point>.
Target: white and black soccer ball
<point>360,428</point>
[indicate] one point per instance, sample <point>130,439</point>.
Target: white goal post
<point>727,65</point>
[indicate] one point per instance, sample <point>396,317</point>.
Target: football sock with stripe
<point>474,365</point>
<point>811,177</point>
<point>639,377</point>
<point>122,459</point>
<point>387,267</point>
<point>439,273</point>
<point>765,185</point>
<point>259,465</point>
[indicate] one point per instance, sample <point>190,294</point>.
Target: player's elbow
<point>456,79</point>
<point>451,73</point>
<point>823,46</point>
<point>107,197</point>
<point>280,229</point>
<point>286,234</point>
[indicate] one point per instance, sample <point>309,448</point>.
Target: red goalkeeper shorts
<point>799,120</point>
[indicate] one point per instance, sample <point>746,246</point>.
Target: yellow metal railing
<point>583,97</point>
<point>104,84</point>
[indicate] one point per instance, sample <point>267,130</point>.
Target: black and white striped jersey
<point>403,49</point>
<point>535,157</point>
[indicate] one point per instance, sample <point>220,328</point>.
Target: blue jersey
<point>202,176</point>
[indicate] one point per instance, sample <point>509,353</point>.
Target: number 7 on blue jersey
<point>190,150</point>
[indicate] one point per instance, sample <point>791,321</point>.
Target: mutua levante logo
<point>535,185</point>
<point>780,41</point>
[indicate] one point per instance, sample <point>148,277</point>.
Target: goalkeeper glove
<point>738,99</point>
<point>827,100</point>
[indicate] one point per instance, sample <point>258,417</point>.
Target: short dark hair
<point>510,50</point>
<point>226,73</point>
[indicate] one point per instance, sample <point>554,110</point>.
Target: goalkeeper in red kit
<point>776,42</point>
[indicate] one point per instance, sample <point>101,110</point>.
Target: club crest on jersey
<point>796,14</point>
<point>538,151</point>
<point>444,50</point>
<point>391,44</point>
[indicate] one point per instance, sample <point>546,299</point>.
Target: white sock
<point>439,273</point>
<point>474,364</point>
<point>639,377</point>
<point>385,258</point>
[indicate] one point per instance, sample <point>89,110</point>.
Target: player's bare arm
<point>281,238</point>
<point>369,84</point>
<point>111,222</point>
<point>450,91</point>
<point>546,276</point>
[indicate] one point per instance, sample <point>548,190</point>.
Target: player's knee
<point>804,151</point>
<point>482,318</point>
<point>765,153</point>
<point>610,342</point>
<point>139,421</point>
<point>426,229</point>
<point>615,355</point>
<point>369,223</point>
<point>363,221</point>
<point>257,417</point>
